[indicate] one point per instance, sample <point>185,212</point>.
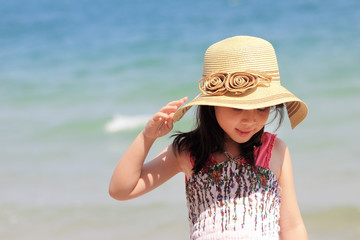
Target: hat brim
<point>259,97</point>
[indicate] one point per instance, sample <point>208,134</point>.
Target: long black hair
<point>208,138</point>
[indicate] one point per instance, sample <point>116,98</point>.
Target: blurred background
<point>79,79</point>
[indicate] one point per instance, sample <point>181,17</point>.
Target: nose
<point>248,116</point>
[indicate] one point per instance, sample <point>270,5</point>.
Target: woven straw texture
<point>253,60</point>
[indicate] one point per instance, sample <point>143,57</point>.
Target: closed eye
<point>263,109</point>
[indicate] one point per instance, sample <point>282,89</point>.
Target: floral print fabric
<point>233,200</point>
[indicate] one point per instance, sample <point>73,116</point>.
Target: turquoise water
<point>78,79</point>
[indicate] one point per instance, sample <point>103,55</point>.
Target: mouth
<point>243,133</point>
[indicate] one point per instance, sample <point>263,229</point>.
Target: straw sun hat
<point>242,72</point>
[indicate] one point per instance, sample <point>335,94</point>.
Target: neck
<point>232,148</point>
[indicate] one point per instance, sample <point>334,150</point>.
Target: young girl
<point>236,174</point>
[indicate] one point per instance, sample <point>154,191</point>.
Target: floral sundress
<point>233,200</point>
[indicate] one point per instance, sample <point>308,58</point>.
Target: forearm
<point>128,170</point>
<point>295,233</point>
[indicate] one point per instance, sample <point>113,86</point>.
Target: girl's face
<point>240,125</point>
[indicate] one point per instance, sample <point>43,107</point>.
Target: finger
<point>179,102</point>
<point>169,123</point>
<point>160,116</point>
<point>171,115</point>
<point>173,106</point>
<point>168,109</point>
<point>171,119</point>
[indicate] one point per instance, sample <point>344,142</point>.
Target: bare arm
<point>131,177</point>
<point>291,223</point>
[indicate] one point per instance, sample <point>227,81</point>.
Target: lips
<point>243,133</point>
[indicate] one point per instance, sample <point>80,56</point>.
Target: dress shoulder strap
<point>263,153</point>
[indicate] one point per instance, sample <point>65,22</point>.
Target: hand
<point>162,122</point>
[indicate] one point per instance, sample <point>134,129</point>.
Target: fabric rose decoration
<point>213,84</point>
<point>238,82</point>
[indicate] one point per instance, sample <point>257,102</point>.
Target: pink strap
<point>192,161</point>
<point>263,153</point>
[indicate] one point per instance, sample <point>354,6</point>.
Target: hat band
<point>216,84</point>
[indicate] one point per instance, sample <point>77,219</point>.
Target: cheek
<point>220,119</point>
<point>224,119</point>
<point>264,117</point>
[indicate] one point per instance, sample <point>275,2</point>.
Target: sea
<point>79,80</point>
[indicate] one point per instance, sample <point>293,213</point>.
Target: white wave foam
<point>119,123</point>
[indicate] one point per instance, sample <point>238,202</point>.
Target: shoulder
<point>263,153</point>
<point>183,160</point>
<point>279,153</point>
<point>279,145</point>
